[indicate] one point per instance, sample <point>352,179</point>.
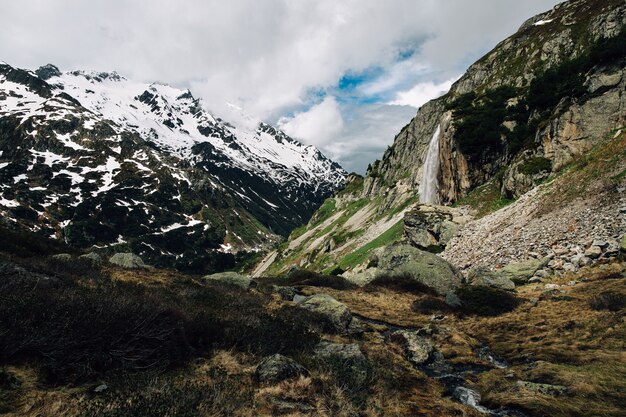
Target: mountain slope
<point>523,114</point>
<point>95,159</point>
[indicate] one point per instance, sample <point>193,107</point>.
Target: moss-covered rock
<point>426,268</point>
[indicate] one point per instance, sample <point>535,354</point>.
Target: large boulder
<point>92,257</point>
<point>277,368</point>
<point>332,310</point>
<point>425,267</point>
<point>521,272</point>
<point>128,261</point>
<point>430,228</point>
<point>361,278</point>
<point>345,361</point>
<point>232,278</point>
<point>486,278</point>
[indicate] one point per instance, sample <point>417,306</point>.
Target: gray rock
<point>594,252</point>
<point>521,272</point>
<point>417,348</point>
<point>485,278</point>
<point>232,278</point>
<point>600,243</point>
<point>65,257</point>
<point>424,267</point>
<point>128,261</point>
<point>545,389</point>
<point>92,257</point>
<point>429,228</point>
<point>453,300</point>
<point>361,278</point>
<point>534,280</point>
<point>345,361</point>
<point>542,273</point>
<point>334,311</point>
<point>569,267</point>
<point>277,368</point>
<point>101,388</point>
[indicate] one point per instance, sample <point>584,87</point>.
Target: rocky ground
<point>304,344</point>
<point>575,219</point>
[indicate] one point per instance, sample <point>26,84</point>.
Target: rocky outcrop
<point>278,368</point>
<point>128,261</point>
<point>346,362</point>
<point>232,278</point>
<point>430,228</point>
<point>485,278</point>
<point>334,311</point>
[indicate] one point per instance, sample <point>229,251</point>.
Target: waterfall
<point>430,184</point>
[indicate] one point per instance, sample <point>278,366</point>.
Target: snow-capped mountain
<point>97,159</point>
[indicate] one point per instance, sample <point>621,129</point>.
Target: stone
<point>128,261</point>
<point>521,272</point>
<point>600,243</point>
<point>542,273</point>
<point>285,293</point>
<point>334,311</point>
<point>101,388</point>
<point>430,228</point>
<point>278,368</point>
<point>534,280</point>
<point>425,267</point>
<point>416,348</point>
<point>622,245</point>
<point>545,389</point>
<point>594,252</point>
<point>570,267</point>
<point>485,278</point>
<point>345,361</point>
<point>93,258</point>
<point>232,278</point>
<point>361,278</point>
<point>64,257</point>
<point>453,300</point>
<point>551,286</point>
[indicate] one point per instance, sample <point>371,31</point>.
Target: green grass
<point>485,199</point>
<point>393,234</point>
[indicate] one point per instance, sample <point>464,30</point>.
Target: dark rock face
<point>278,368</point>
<point>48,71</point>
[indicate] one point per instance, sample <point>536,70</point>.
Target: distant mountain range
<point>98,160</point>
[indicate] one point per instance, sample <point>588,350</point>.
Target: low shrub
<point>399,282</point>
<point>608,300</point>
<point>302,277</point>
<point>430,305</point>
<point>486,301</point>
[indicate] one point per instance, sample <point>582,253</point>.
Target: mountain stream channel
<point>452,376</point>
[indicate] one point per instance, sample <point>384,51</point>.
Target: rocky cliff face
<point>545,42</point>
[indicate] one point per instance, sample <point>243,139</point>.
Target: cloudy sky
<point>344,75</point>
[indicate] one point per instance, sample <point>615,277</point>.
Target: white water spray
<point>429,186</point>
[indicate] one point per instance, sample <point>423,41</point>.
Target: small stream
<point>454,376</point>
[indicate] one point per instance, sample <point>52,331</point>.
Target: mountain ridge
<point>95,134</point>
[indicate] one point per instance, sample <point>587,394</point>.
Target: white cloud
<point>265,56</point>
<point>422,93</point>
<point>317,126</point>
